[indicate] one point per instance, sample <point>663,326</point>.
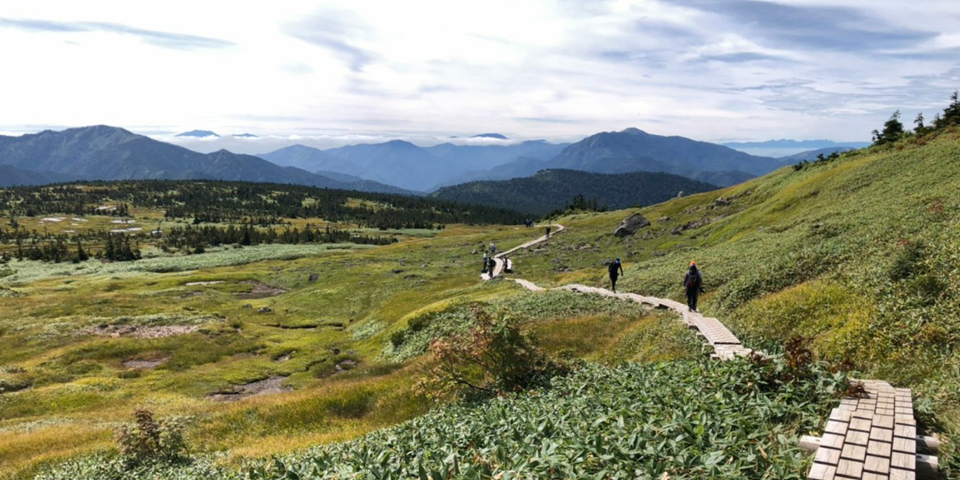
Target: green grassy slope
<point>862,255</point>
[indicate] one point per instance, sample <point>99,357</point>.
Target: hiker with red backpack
<point>693,282</point>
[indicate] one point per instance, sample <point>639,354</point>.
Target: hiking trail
<point>872,436</point>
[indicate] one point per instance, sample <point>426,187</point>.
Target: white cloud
<point>341,71</point>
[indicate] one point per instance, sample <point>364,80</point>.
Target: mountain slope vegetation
<point>551,190</point>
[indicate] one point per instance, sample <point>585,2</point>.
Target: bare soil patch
<point>260,387</point>
<point>195,284</point>
<point>116,331</point>
<point>261,290</point>
<point>140,364</point>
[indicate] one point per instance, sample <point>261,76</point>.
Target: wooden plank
<point>850,468</point>
<point>827,456</point>
<point>853,452</point>
<point>880,449</point>
<point>820,471</point>
<point>877,464</point>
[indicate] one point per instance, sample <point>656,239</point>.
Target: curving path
<point>870,437</point>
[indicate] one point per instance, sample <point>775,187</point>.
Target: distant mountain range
<point>406,165</point>
<point>634,150</point>
<point>784,147</point>
<point>109,153</point>
<point>425,169</point>
<point>550,190</point>
<point>806,144</point>
<point>198,134</point>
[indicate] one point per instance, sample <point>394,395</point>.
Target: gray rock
<point>314,277</point>
<point>631,225</point>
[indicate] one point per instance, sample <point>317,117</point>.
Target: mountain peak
<point>498,136</point>
<point>198,134</point>
<point>634,131</point>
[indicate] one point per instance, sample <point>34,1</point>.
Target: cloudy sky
<point>332,72</point>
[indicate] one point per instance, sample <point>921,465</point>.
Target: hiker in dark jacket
<point>548,232</point>
<point>492,266</point>
<point>693,282</point>
<point>616,269</point>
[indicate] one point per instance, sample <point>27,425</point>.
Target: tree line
<point>120,247</point>
<point>893,130</point>
<point>244,202</point>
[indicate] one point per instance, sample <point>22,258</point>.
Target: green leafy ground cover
<point>679,420</point>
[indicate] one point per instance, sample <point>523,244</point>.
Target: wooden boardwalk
<point>871,436</point>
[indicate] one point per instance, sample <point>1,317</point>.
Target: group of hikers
<point>490,261</point>
<point>692,281</point>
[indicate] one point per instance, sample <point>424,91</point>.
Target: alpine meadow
<point>382,241</point>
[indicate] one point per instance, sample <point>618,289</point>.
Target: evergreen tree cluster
<point>199,237</point>
<point>893,129</point>
<point>243,202</point>
<point>579,204</point>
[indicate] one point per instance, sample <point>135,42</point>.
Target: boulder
<point>631,225</point>
<point>314,277</point>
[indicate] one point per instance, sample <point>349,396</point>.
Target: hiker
<point>616,269</point>
<point>548,231</point>
<point>484,263</point>
<point>693,282</point>
<point>493,249</point>
<point>492,266</point>
<point>508,265</point>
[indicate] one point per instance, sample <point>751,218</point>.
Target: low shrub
<point>150,441</point>
<point>495,357</point>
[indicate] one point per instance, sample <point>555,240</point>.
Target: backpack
<point>692,279</point>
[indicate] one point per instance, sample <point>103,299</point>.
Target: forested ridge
<point>549,190</point>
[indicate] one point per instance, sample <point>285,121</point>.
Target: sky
<point>332,73</point>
